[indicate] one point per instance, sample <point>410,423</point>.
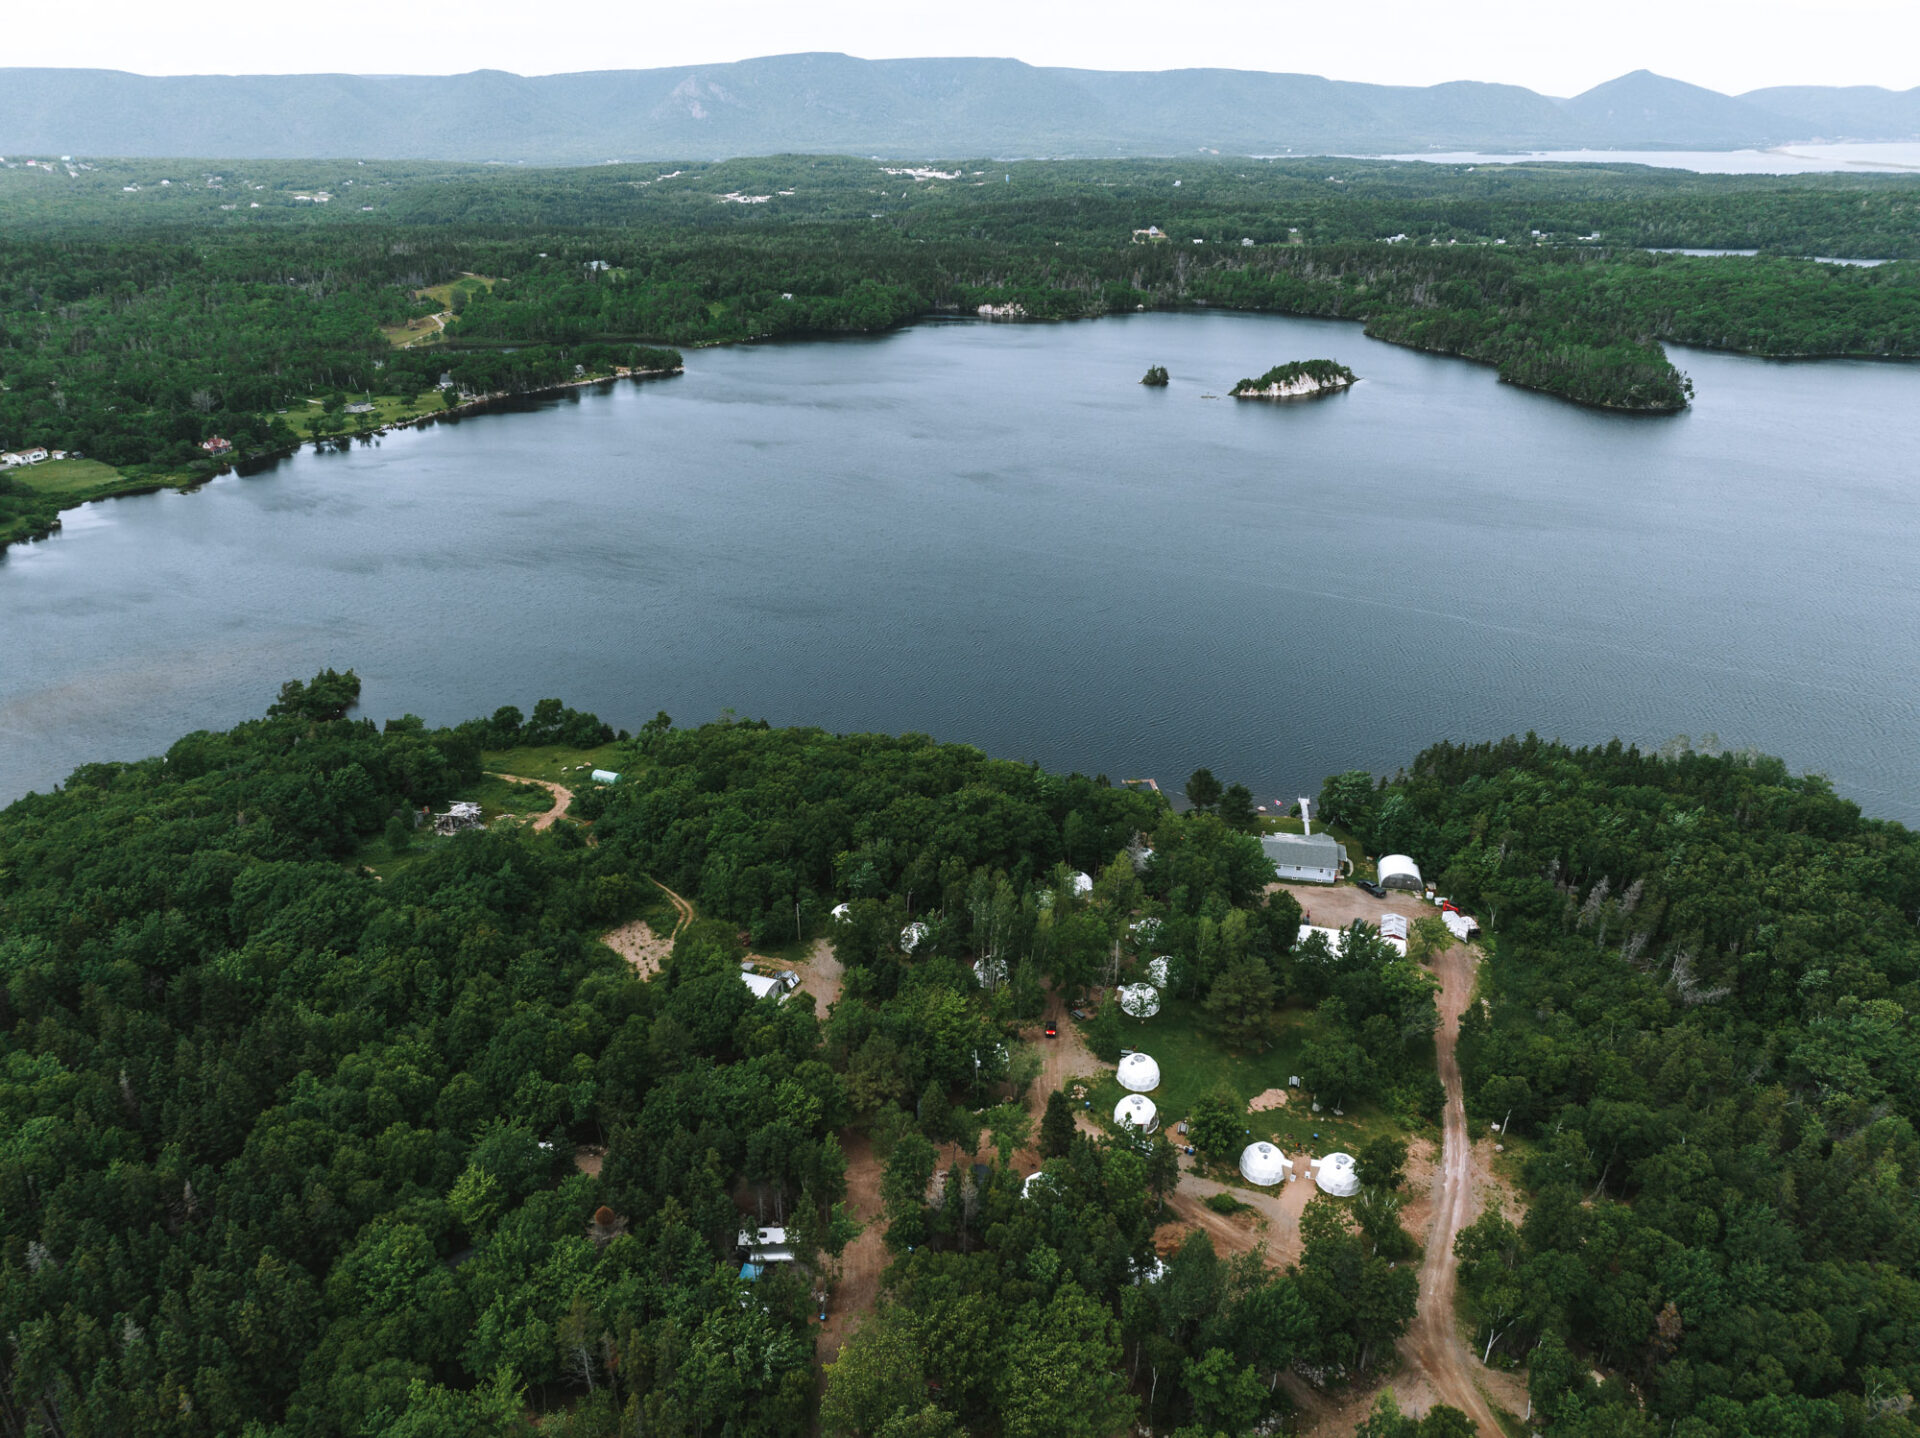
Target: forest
<point>294,1148</point>
<point>147,306</point>
<point>1701,1023</point>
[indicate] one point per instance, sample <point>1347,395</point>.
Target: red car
<point>1052,1032</point>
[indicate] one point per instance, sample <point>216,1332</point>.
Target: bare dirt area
<point>1422,1160</point>
<point>1278,1215</point>
<point>1334,906</point>
<point>1432,1349</point>
<point>588,1158</point>
<point>640,946</point>
<point>562,800</point>
<point>822,976</point>
<point>865,1259</point>
<point>1273,1098</point>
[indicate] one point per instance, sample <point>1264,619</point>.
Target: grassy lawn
<point>65,478</point>
<point>557,763</point>
<point>1193,1062</point>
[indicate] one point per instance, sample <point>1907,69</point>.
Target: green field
<point>68,477</point>
<point>1193,1062</point>
<point>556,763</point>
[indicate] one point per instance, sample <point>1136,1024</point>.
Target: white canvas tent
<point>1138,1073</point>
<point>1263,1165</point>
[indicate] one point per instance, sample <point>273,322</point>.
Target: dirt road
<point>1432,1345</point>
<point>563,799</point>
<point>865,1259</point>
<point>1281,1209</point>
<point>682,910</point>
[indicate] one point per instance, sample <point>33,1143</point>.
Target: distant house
<point>34,454</point>
<point>1151,235</point>
<point>217,445</point>
<point>1306,858</point>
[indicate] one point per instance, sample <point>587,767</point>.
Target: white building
<point>766,1245</point>
<point>1306,858</point>
<point>775,985</point>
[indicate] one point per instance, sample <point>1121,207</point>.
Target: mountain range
<point>832,103</point>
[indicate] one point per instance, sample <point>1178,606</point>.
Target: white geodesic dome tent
<point>1138,1073</point>
<point>1033,1181</point>
<point>990,972</point>
<point>841,912</point>
<point>1136,1111</point>
<point>1082,883</point>
<point>1160,970</point>
<point>914,935</point>
<point>1263,1165</point>
<point>1337,1174</point>
<point>1145,930</point>
<point>1139,1001</point>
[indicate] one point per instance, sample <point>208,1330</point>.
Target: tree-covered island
<point>1155,377</point>
<point>1297,379</point>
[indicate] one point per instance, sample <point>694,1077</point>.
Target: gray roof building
<point>1305,858</point>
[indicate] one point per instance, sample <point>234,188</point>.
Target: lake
<point>992,533</point>
<point>1871,158</point>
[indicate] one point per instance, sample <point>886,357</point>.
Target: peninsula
<point>1300,379</point>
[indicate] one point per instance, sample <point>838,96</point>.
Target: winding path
<point>1432,1344</point>
<point>682,910</point>
<point>563,799</point>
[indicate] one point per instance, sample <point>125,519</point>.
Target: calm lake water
<point>1875,158</point>
<point>991,533</point>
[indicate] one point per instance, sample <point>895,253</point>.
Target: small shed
<point>1306,858</point>
<point>1263,1165</point>
<point>1393,926</point>
<point>1397,871</point>
<point>1138,1073</point>
<point>1136,1111</point>
<point>1337,1174</point>
<point>605,776</point>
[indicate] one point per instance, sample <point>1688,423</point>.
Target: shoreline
<point>259,460</point>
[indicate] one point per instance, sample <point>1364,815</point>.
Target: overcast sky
<point>1549,45</point>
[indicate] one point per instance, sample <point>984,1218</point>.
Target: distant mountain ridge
<point>832,103</point>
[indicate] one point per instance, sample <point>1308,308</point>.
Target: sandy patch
<point>637,943</point>
<point>1271,1099</point>
<point>588,1157</point>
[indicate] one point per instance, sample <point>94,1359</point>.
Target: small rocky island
<point>1156,376</point>
<point>1297,380</point>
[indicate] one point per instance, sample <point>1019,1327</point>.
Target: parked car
<point>1371,888</point>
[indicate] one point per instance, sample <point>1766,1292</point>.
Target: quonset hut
<point>1397,871</point>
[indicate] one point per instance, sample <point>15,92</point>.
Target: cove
<point>994,534</point>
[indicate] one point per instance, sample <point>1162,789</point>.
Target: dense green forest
<point>1701,1018</point>
<point>139,318</point>
<point>290,1148</point>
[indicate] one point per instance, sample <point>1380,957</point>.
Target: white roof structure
<point>770,985</point>
<point>767,1245</point>
<point>1139,1001</point>
<point>605,776</point>
<point>1397,871</point>
<point>1138,1072</point>
<point>1160,971</point>
<point>1040,1178</point>
<point>1136,1111</point>
<point>841,912</point>
<point>913,936</point>
<point>1393,926</point>
<point>1336,1174</point>
<point>1263,1165</point>
<point>1082,884</point>
<point>990,972</point>
<point>1336,938</point>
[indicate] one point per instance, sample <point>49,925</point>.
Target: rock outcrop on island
<point>1301,379</point>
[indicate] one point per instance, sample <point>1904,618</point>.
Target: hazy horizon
<point>1720,46</point>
